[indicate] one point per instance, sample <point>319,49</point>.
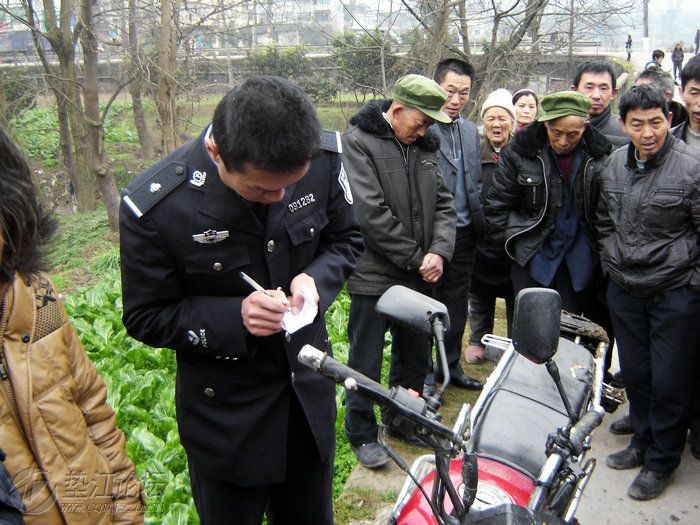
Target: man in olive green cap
<point>543,199</point>
<point>407,218</point>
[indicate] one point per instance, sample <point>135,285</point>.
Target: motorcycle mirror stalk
<point>536,329</point>
<point>424,315</point>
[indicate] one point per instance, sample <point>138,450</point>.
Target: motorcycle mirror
<point>536,324</point>
<point>412,309</point>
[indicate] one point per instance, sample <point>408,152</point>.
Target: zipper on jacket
<point>544,210</point>
<point>4,376</point>
<point>585,193</point>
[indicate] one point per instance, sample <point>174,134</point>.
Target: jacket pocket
<point>666,208</point>
<point>216,262</point>
<point>308,228</point>
<point>531,184</point>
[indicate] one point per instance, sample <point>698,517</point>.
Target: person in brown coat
<point>64,452</point>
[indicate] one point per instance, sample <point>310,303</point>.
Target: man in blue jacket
<point>459,161</point>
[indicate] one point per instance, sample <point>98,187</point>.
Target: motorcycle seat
<point>525,407</point>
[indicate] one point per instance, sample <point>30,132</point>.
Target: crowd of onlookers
<point>558,192</point>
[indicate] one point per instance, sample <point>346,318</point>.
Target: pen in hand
<point>251,282</point>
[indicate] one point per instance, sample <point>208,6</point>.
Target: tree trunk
<point>166,100</point>
<point>84,183</point>
<point>136,87</point>
<point>93,120</point>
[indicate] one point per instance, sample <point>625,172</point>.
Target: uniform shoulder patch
<point>330,141</point>
<point>153,189</point>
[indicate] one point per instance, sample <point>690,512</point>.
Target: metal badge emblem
<point>198,178</point>
<point>154,187</point>
<point>210,236</point>
<point>192,338</point>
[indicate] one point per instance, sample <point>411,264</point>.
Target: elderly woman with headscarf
<point>491,274</point>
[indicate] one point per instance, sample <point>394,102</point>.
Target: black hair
<point>523,93</point>
<point>657,53</point>
<point>26,227</point>
<point>691,71</point>
<point>657,77</point>
<point>595,66</point>
<point>267,121</point>
<point>644,96</point>
<point>455,65</point>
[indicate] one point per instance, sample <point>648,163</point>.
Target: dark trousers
<point>677,67</point>
<point>305,497</point>
<point>657,341</point>
<point>409,362</point>
<point>482,311</point>
<point>453,291</point>
<point>571,301</point>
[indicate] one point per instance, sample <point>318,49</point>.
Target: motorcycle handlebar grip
<point>329,367</point>
<point>583,428</point>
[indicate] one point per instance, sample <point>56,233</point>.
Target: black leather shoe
<point>695,444</point>
<point>622,426</point>
<point>649,484</point>
<point>461,380</point>
<point>618,380</point>
<point>371,455</point>
<point>625,459</point>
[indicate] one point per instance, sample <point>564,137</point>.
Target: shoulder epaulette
<point>154,188</point>
<point>330,141</point>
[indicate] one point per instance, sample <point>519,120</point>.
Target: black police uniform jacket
<point>185,236</point>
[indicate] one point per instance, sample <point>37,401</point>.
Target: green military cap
<point>423,94</point>
<point>563,104</point>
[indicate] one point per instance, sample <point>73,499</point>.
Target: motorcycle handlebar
<point>398,399</point>
<point>583,428</point>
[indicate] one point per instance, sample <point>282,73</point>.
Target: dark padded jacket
<point>522,204</point>
<point>402,217</point>
<point>649,220</point>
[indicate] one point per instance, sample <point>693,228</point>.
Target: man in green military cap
<point>407,218</point>
<point>542,202</point>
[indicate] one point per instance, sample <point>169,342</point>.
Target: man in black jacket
<point>542,202</point>
<point>648,222</point>
<point>260,191</point>
<point>407,218</point>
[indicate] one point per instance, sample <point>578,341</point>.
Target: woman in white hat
<point>491,273</point>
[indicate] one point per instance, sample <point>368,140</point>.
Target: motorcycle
<point>518,455</point>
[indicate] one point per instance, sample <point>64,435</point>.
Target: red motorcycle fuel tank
<point>498,484</point>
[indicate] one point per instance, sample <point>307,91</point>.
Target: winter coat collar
<point>601,119</point>
<point>370,119</point>
<point>652,162</point>
<point>530,140</point>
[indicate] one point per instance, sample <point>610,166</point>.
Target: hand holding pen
<point>263,310</point>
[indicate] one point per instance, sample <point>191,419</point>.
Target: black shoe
<point>396,432</point>
<point>429,390</point>
<point>622,426</point>
<point>649,484</point>
<point>618,380</point>
<point>462,380</point>
<point>695,444</point>
<point>625,459</point>
<point>371,455</point>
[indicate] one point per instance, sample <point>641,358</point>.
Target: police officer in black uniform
<point>262,191</point>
